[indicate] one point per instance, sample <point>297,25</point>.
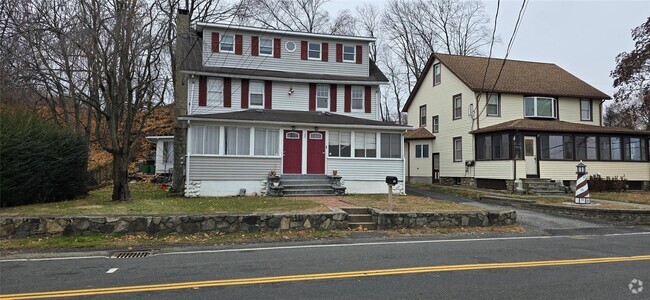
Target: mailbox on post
<point>391,181</point>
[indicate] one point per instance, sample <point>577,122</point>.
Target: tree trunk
<point>121,190</point>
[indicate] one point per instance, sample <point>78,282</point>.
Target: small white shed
<point>164,153</point>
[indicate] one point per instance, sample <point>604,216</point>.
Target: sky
<point>583,37</point>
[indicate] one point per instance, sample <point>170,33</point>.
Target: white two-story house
<point>538,121</point>
<point>295,103</point>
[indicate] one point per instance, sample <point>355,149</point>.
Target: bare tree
<point>368,19</point>
<point>621,114</point>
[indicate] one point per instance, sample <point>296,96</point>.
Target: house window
<point>266,47</point>
<point>484,147</point>
<point>314,50</point>
<point>322,96</point>
<point>436,74</point>
<point>556,147</point>
<point>215,92</point>
<point>349,53</point>
<point>256,94</point>
<point>458,106</point>
<point>493,104</point>
<point>422,151</point>
<point>339,144</point>
<point>458,149</point>
<point>168,152</point>
<point>227,43</point>
<point>365,144</point>
<point>205,140</point>
<point>266,142</point>
<point>635,148</point>
<point>585,110</point>
<point>391,145</point>
<point>238,141</point>
<point>495,146</point>
<point>540,107</point>
<point>586,148</point>
<point>436,124</point>
<point>423,115</point>
<point>610,148</point>
<point>357,97</point>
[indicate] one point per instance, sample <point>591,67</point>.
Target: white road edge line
<point>343,245</point>
<point>111,271</point>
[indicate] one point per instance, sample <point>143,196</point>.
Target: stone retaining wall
<point>612,216</point>
<point>22,227</point>
<point>390,220</point>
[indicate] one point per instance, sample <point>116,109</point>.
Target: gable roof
<point>419,134</point>
<point>557,126</point>
<point>517,77</point>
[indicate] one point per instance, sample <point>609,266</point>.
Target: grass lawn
<point>406,203</point>
<point>148,199</point>
<point>630,197</point>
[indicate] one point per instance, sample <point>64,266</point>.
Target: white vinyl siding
<point>232,168</point>
<point>359,169</point>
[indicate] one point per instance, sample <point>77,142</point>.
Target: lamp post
<point>582,187</point>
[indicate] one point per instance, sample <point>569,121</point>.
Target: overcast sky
<point>583,37</point>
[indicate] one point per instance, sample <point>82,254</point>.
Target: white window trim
<point>423,116</point>
<point>591,107</point>
<point>457,158</point>
<point>327,88</point>
<point>422,153</point>
<point>363,99</point>
<point>214,83</point>
<point>487,105</point>
<point>259,47</point>
<point>320,51</point>
<point>354,53</point>
<point>460,114</point>
<point>536,115</point>
<point>234,43</point>
<point>250,93</point>
<point>435,122</point>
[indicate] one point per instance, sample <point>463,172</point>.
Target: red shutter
<point>367,105</point>
<point>333,97</point>
<point>238,44</point>
<point>268,93</point>
<point>227,92</point>
<point>203,91</point>
<point>244,93</point>
<point>339,52</point>
<point>255,45</point>
<point>325,52</point>
<point>215,42</point>
<point>277,48</point>
<point>359,54</point>
<point>303,50</point>
<point>348,98</point>
<point>312,97</point>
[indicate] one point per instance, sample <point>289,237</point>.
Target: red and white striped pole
<point>582,187</point>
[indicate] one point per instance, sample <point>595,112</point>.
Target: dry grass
<point>568,201</point>
<point>630,197</point>
<point>514,228</point>
<point>407,203</point>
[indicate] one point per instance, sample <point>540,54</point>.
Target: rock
<point>122,226</point>
<point>274,222</point>
<point>81,224</point>
<point>326,224</point>
<point>284,224</point>
<point>190,227</point>
<point>139,225</point>
<point>6,230</point>
<point>464,221</point>
<point>307,224</point>
<point>208,225</point>
<point>51,226</point>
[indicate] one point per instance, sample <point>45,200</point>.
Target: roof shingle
<point>541,125</point>
<point>419,134</point>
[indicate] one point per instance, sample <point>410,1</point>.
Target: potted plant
<point>274,178</point>
<point>335,172</point>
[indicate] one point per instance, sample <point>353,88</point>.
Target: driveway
<point>536,223</point>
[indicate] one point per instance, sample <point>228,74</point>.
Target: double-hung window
<point>365,144</point>
<point>357,97</point>
<point>493,104</point>
<point>435,124</point>
<point>422,151</point>
<point>205,140</point>
<point>322,96</point>
<point>314,50</point>
<point>339,144</point>
<point>423,115</point>
<point>540,107</point>
<point>256,94</point>
<point>585,110</point>
<point>266,142</point>
<point>227,43</point>
<point>266,47</point>
<point>458,106</point>
<point>238,140</point>
<point>458,149</point>
<point>436,74</point>
<point>215,92</point>
<point>349,53</point>
<point>391,145</point>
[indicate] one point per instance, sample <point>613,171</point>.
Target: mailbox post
<point>390,181</point>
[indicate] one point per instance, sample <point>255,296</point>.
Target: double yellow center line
<point>320,276</point>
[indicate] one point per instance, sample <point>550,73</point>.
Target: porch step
<point>541,186</point>
<point>309,192</point>
<point>307,185</point>
<point>360,217</point>
<point>363,218</point>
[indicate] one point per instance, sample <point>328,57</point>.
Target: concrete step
<point>309,192</point>
<point>365,225</point>
<point>303,181</point>
<point>356,210</point>
<point>354,218</point>
<point>288,186</point>
<point>308,195</point>
<point>303,176</point>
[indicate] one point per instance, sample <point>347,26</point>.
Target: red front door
<point>292,156</point>
<point>315,152</point>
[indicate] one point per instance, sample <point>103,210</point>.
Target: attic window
<point>227,43</point>
<point>436,74</point>
<point>540,107</point>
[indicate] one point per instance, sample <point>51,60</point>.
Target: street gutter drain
<point>131,254</point>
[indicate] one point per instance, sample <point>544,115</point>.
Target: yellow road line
<point>318,276</point>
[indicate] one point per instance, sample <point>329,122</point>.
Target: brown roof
<point>556,126</point>
<point>419,134</point>
<point>517,77</point>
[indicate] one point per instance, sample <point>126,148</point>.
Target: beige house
<point>537,121</point>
